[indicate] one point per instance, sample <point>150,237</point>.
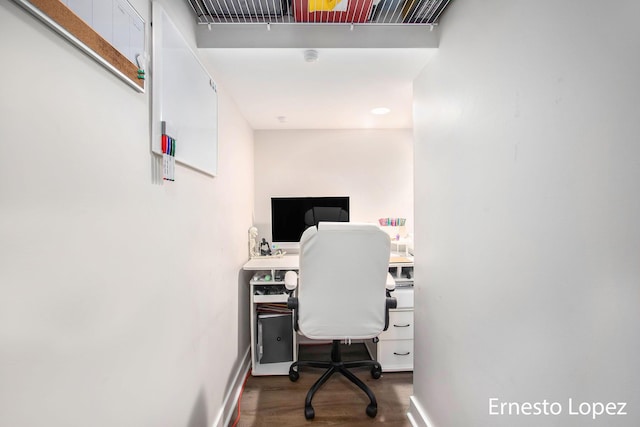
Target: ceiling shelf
<point>320,12</point>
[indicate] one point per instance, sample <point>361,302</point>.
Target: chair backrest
<point>343,271</point>
<point>325,214</point>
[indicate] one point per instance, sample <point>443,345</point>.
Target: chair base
<point>336,365</point>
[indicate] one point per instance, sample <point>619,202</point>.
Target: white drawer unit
<point>395,355</point>
<point>394,349</point>
<point>400,326</point>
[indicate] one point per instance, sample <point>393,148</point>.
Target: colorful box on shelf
<point>347,11</point>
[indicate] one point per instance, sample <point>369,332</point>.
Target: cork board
<point>63,20</point>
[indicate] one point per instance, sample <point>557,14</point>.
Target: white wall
<point>527,205</point>
<point>373,167</point>
<point>121,301</point>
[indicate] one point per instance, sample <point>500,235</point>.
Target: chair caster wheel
<point>376,372</point>
<point>309,413</point>
<point>372,410</point>
<point>293,375</point>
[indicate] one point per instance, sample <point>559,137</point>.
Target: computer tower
<point>275,338</point>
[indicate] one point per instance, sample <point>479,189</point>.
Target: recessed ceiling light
<point>380,111</point>
<point>282,119</point>
<point>311,55</point>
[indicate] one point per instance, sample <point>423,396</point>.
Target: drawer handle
<point>402,326</point>
<point>402,354</point>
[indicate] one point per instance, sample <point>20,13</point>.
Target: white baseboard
<point>226,413</point>
<point>417,415</point>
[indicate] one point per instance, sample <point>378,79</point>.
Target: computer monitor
<point>290,216</point>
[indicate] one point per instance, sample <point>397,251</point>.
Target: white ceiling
<point>337,92</point>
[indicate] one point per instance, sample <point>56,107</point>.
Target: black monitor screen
<point>290,216</point>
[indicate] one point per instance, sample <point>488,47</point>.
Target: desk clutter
<point>277,276</point>
<point>393,222</point>
<point>269,290</point>
<point>272,308</point>
<point>403,275</point>
<point>261,248</point>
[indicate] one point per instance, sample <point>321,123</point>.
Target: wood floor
<point>276,401</point>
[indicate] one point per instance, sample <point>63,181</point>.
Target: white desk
<point>292,262</point>
<point>286,262</point>
<point>394,351</point>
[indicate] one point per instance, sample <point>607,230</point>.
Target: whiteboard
<point>183,96</point>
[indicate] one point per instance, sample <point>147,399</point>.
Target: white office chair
<point>342,293</point>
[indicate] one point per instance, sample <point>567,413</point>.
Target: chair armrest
<point>390,303</point>
<point>292,304</point>
<point>291,280</point>
<point>291,283</point>
<point>391,283</point>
